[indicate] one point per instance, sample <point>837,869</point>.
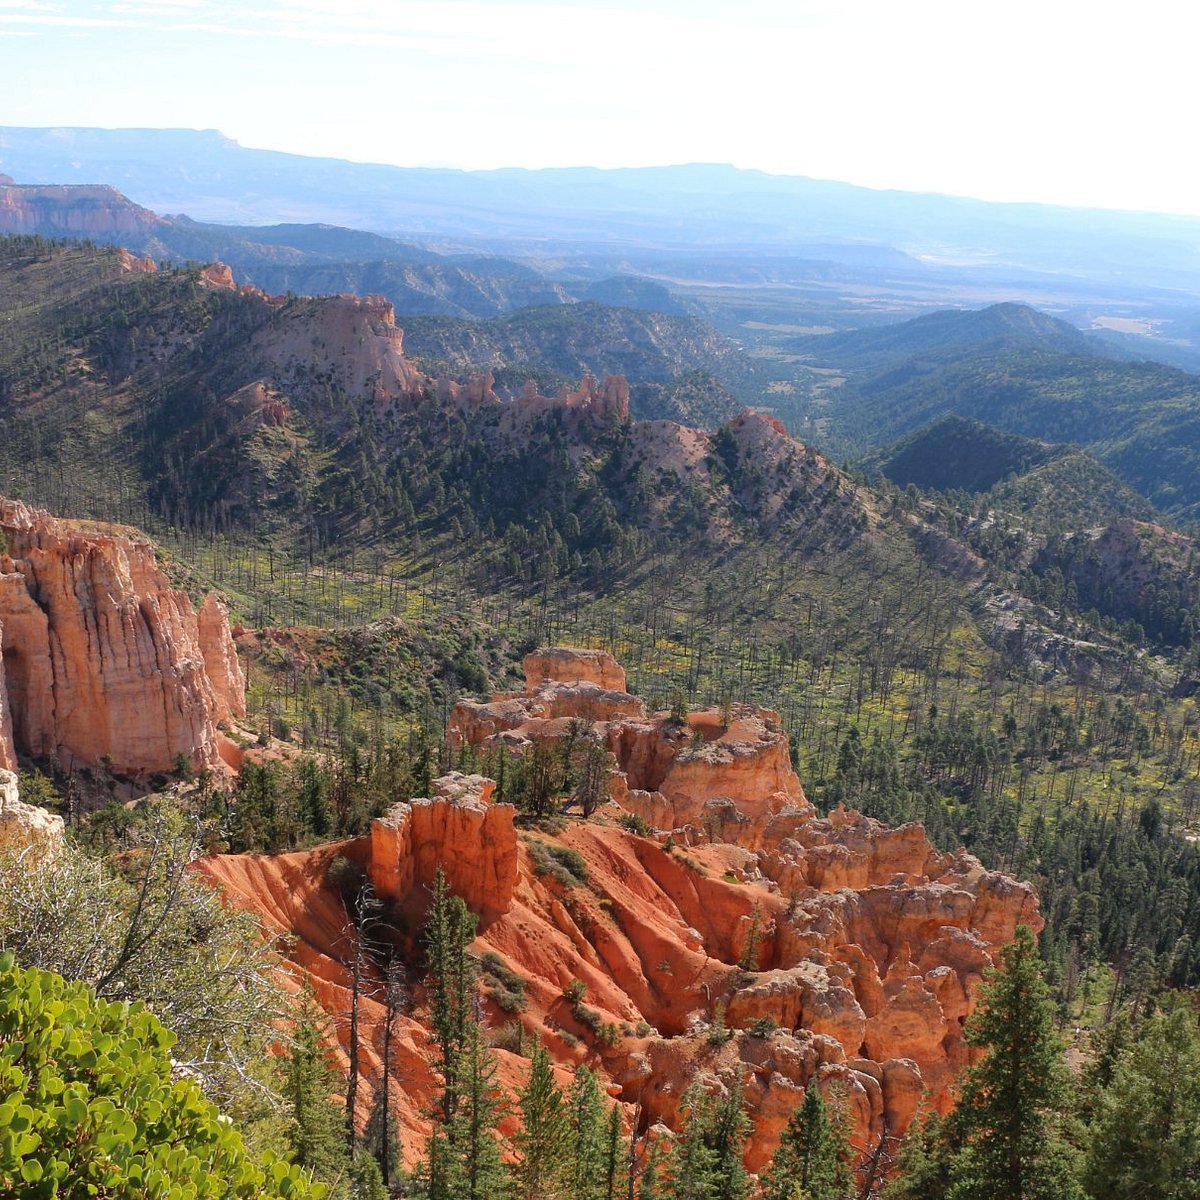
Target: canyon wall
<point>72,210</point>
<point>745,938</point>
<point>104,662</point>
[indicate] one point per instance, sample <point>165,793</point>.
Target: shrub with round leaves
<point>88,1106</point>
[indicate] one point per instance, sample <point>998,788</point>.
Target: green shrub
<point>502,984</point>
<point>510,1036</point>
<point>560,862</point>
<point>588,1017</point>
<point>574,991</point>
<point>90,1107</point>
<point>635,824</point>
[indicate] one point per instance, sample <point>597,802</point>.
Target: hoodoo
<point>745,937</point>
<point>102,659</point>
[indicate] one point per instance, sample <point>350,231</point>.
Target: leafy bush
<point>151,930</point>
<point>559,862</point>
<point>609,1035</point>
<point>635,824</point>
<point>510,1036</point>
<point>589,1017</point>
<point>90,1107</point>
<point>502,984</point>
<point>575,991</point>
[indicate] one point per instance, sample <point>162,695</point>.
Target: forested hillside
<point>1008,658</point>
<point>1028,375</point>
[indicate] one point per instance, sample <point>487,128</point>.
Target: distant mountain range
<point>717,209</point>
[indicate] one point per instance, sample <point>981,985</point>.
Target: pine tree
<point>585,1118</point>
<point>813,1154</point>
<point>923,1165</point>
<point>449,930</point>
<point>612,1153</point>
<point>318,1128</point>
<point>382,1136</point>
<point>1144,1139</point>
<point>706,1163</point>
<point>727,1137</point>
<point>479,1108</point>
<point>693,1160</point>
<point>1011,1112</point>
<point>543,1142</point>
<point>650,1184</point>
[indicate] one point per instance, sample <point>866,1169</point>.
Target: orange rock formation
<point>25,828</point>
<point>71,210</point>
<point>831,949</point>
<point>669,772</point>
<point>102,659</point>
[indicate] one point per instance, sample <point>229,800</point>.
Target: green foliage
<point>562,863</point>
<point>1010,1118</point>
<point>469,1154</point>
<point>543,1142</point>
<point>153,931</point>
<point>586,1122</point>
<point>501,984</point>
<point>317,1132</point>
<point>90,1107</point>
<point>1142,1138</point>
<point>450,972</point>
<point>813,1154</point>
<point>923,1165</point>
<point>1137,417</point>
<point>706,1161</point>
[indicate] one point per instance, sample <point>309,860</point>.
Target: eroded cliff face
<point>669,772</point>
<point>357,344</point>
<point>102,659</point>
<point>72,210</point>
<point>459,831</point>
<point>830,949</point>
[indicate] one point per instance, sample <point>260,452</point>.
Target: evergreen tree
<point>479,1166</point>
<point>585,1119</point>
<point>727,1137</point>
<point>366,1179</point>
<point>813,1154</point>
<point>693,1161</point>
<point>449,930</point>
<point>318,1130</point>
<point>650,1185</point>
<point>612,1153</point>
<point>1144,1139</point>
<point>382,1135</point>
<point>543,1142</point>
<point>706,1163</point>
<point>1011,1112</point>
<point>923,1166</point>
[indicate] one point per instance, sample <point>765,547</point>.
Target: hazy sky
<point>1075,103</point>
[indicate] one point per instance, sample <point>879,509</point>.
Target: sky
<point>1056,101</point>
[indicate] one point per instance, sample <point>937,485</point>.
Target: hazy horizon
<point>1066,106</point>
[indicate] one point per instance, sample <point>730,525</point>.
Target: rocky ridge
<point>104,662</point>
<point>73,210</point>
<point>745,937</point>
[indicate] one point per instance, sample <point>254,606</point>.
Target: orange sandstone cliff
<point>102,659</point>
<point>757,941</point>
